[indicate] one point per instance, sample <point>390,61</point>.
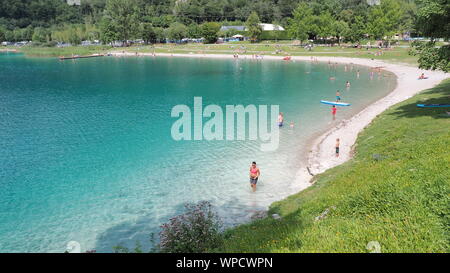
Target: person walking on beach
<point>337,147</point>
<point>333,111</point>
<point>254,175</point>
<point>338,96</point>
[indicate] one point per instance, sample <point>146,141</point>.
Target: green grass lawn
<point>33,51</point>
<point>396,191</point>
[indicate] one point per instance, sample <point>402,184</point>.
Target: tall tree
<point>253,26</point>
<point>384,20</point>
<point>324,26</point>
<point>433,18</point>
<point>108,32</point>
<point>300,25</point>
<point>433,21</point>
<point>2,34</point>
<point>210,32</point>
<point>357,29</point>
<point>340,29</point>
<point>123,15</point>
<point>148,33</point>
<point>177,31</point>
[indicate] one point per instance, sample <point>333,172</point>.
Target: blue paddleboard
<point>335,103</point>
<point>433,105</point>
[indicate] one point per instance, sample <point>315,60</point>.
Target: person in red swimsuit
<point>333,111</point>
<point>254,174</point>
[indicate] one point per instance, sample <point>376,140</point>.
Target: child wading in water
<point>337,147</point>
<point>333,111</point>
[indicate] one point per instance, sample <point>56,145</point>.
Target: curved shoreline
<point>321,155</point>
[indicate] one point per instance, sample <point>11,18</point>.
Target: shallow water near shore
<point>87,152</point>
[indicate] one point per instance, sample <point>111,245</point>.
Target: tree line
<point>50,21</point>
<point>156,20</point>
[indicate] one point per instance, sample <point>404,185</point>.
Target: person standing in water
<point>333,111</point>
<point>254,175</point>
<point>347,84</point>
<point>337,147</point>
<point>280,119</point>
<point>338,96</point>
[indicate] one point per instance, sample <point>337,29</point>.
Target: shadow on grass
<point>437,95</point>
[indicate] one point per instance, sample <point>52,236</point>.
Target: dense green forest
<point>48,22</point>
<point>19,19</point>
<point>44,13</point>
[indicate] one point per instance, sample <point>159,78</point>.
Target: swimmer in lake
<point>254,175</point>
<point>280,119</point>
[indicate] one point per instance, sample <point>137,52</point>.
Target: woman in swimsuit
<point>254,175</point>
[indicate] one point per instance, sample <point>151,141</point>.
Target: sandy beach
<point>321,155</point>
<point>7,50</point>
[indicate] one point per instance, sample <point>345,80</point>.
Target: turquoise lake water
<point>87,152</point>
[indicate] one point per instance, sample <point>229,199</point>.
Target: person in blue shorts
<point>338,96</point>
<point>280,119</point>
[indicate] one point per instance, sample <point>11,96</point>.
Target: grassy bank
<point>396,191</point>
<point>397,54</point>
<point>33,51</point>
